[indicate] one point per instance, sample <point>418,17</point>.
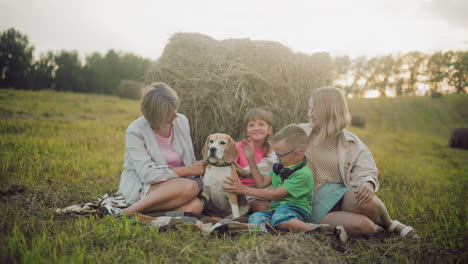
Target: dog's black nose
<point>212,149</point>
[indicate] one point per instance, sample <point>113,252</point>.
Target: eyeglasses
<point>279,156</point>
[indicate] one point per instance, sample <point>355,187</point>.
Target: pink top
<point>242,161</point>
<point>173,159</point>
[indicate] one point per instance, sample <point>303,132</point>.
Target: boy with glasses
<point>292,181</point>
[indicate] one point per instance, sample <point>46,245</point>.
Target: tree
<point>68,76</point>
<point>398,79</point>
<point>42,72</point>
<point>114,71</point>
<point>377,72</point>
<point>459,75</point>
<point>414,60</point>
<point>437,70</point>
<point>342,65</point>
<point>134,67</point>
<point>371,73</point>
<point>359,66</point>
<point>104,73</point>
<point>95,73</point>
<point>385,69</point>
<point>15,59</point>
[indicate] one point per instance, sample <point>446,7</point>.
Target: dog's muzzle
<point>212,152</point>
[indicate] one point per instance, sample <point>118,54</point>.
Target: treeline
<point>404,74</point>
<point>401,74</point>
<point>64,71</point>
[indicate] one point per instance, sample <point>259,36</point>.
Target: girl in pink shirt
<point>258,128</point>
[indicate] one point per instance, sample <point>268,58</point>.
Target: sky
<point>143,27</point>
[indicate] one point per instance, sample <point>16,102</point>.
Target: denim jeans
<point>282,214</point>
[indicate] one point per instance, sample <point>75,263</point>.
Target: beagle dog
<point>220,151</point>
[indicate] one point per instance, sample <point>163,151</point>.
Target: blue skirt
<point>326,197</point>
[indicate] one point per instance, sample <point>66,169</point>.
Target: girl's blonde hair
<point>157,100</point>
<point>259,114</point>
<point>331,110</point>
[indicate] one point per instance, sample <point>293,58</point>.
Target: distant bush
<point>358,121</point>
<point>436,95</point>
<point>130,89</point>
<point>218,81</point>
<point>459,138</point>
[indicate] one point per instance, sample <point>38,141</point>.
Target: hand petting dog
<point>235,185</point>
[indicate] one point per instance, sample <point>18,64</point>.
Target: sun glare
<point>371,94</point>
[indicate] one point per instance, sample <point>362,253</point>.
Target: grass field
<point>58,149</point>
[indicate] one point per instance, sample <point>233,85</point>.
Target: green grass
<point>58,149</point>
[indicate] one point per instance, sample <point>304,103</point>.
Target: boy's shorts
<point>282,214</point>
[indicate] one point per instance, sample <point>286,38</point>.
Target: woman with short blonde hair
<point>161,173</point>
<point>345,173</point>
<point>157,101</point>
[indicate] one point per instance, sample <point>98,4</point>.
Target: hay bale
<point>130,89</point>
<point>218,81</point>
<point>358,121</point>
<point>459,138</point>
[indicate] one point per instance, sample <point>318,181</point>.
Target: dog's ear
<point>205,148</point>
<point>231,152</point>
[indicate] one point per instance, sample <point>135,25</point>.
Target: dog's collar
<point>217,164</point>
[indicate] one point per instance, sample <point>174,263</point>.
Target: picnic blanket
<point>174,220</point>
<point>206,224</point>
<point>93,207</point>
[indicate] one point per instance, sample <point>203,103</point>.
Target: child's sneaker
<point>107,209</point>
<point>340,234</point>
<point>337,231</point>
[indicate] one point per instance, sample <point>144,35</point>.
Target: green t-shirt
<point>299,186</point>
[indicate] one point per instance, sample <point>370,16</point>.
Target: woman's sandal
<point>404,232</point>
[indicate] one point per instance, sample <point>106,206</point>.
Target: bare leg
<point>258,205</point>
<point>168,195</point>
<point>360,219</point>
<point>374,209</point>
<point>195,206</point>
<point>296,225</point>
<point>354,224</point>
